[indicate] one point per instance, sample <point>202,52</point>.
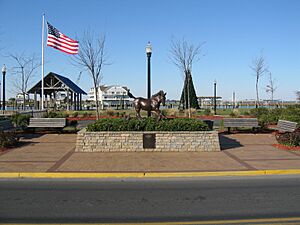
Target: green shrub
<point>290,139</point>
<point>247,113</point>
<point>72,123</point>
<point>291,113</point>
<point>8,139</point>
<point>85,114</point>
<point>207,112</point>
<point>257,112</point>
<point>264,121</point>
<point>268,116</point>
<point>165,112</point>
<point>75,114</point>
<point>53,114</point>
<point>110,112</point>
<point>148,124</point>
<point>20,120</point>
<point>234,113</point>
<point>274,115</point>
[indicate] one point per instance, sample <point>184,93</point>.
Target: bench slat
<point>286,126</point>
<point>47,122</point>
<point>240,122</point>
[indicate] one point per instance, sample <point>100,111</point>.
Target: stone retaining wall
<point>199,141</point>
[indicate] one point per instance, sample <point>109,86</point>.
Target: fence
<point>32,113</point>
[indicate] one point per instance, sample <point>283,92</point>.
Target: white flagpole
<point>43,32</point>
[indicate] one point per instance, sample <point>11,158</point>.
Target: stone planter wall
<point>199,141</point>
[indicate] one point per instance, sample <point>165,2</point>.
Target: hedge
<point>148,124</point>
<point>289,139</point>
<point>271,116</point>
<point>20,120</point>
<point>8,139</point>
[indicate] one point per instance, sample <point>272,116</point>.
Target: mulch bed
<point>81,118</point>
<point>287,148</point>
<point>211,117</point>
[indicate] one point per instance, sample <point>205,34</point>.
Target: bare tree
<point>183,55</point>
<point>92,57</point>
<point>271,88</point>
<point>259,67</point>
<point>24,70</point>
<point>298,95</point>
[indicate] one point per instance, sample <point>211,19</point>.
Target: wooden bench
<point>286,126</point>
<point>240,122</point>
<point>6,125</point>
<point>47,122</point>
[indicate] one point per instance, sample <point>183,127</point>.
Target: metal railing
<point>32,113</point>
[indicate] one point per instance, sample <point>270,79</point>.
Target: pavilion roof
<point>55,82</point>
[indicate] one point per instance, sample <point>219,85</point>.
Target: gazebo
<point>55,84</point>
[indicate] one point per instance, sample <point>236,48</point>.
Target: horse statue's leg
<point>138,110</point>
<point>158,113</point>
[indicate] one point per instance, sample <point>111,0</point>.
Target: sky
<point>234,32</point>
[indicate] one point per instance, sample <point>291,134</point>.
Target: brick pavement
<point>55,153</point>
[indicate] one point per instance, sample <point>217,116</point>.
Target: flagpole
<point>43,33</point>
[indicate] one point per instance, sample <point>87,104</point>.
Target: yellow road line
<point>9,175</point>
<point>147,175</point>
<point>208,174</point>
<point>243,221</point>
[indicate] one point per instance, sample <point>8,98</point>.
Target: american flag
<point>60,41</point>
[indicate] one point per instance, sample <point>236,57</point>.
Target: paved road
<point>149,200</point>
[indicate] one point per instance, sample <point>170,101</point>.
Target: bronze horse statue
<point>151,104</point>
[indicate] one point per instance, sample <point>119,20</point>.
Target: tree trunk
<point>97,103</point>
<point>188,90</point>
<point>185,95</point>
<point>257,98</point>
<point>24,99</point>
<point>272,95</point>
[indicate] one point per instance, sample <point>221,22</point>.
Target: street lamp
<point>149,52</point>
<point>215,97</point>
<point>3,86</point>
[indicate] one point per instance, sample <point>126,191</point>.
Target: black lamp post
<point>3,86</point>
<point>149,52</point>
<point>215,97</point>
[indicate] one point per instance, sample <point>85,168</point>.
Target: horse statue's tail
<point>130,95</point>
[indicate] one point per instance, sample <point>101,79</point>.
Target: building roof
<point>60,85</point>
<point>105,88</point>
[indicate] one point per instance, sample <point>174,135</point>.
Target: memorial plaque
<point>149,141</point>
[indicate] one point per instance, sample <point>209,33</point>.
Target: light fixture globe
<point>148,48</point>
<point>4,68</point>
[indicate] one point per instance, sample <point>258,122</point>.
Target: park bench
<point>6,125</point>
<point>240,122</point>
<point>47,123</point>
<point>286,126</point>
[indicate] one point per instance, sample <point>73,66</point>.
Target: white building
<point>20,98</point>
<point>114,96</point>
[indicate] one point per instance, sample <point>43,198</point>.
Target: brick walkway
<point>55,153</point>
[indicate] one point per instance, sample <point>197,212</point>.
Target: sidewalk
<point>55,153</point>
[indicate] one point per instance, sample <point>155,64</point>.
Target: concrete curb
<point>81,175</point>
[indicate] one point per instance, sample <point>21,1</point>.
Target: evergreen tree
<point>188,96</point>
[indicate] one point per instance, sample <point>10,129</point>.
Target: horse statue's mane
<point>160,93</point>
